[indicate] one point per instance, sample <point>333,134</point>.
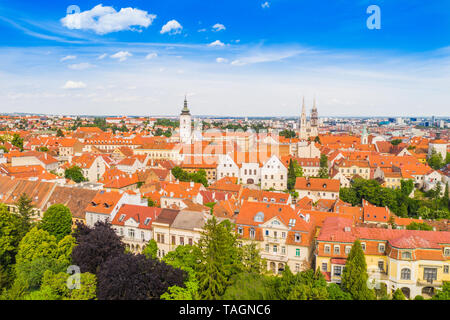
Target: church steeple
<point>185,109</point>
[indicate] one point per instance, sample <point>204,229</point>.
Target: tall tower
<point>314,120</point>
<point>302,122</point>
<point>185,124</point>
<point>364,136</point>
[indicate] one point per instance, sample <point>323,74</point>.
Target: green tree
<point>59,133</point>
<point>335,292</point>
<point>39,251</point>
<point>250,286</point>
<point>56,284</point>
<point>419,226</point>
<point>151,203</point>
<point>323,171</point>
<point>151,249</point>
<point>435,160</point>
<point>354,277</point>
<point>57,221</point>
<point>251,258</point>
<point>396,142</point>
<point>219,258</point>
<point>75,174</point>
<point>17,141</point>
<point>186,258</point>
<point>25,210</point>
<point>398,295</point>
<point>291,176</point>
<point>10,236</point>
<point>443,294</point>
<point>407,186</point>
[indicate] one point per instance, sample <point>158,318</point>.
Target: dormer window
<point>363,246</point>
<point>447,252</point>
<point>240,230</point>
<point>406,255</point>
<point>147,221</point>
<point>122,216</point>
<point>298,237</point>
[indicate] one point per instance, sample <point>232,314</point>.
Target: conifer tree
<point>354,277</point>
<point>219,259</point>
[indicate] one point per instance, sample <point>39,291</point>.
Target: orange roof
<point>317,184</point>
<point>104,202</point>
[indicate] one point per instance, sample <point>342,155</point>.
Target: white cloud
<point>201,30</point>
<point>218,27</point>
<point>121,55</point>
<point>68,58</point>
<point>102,56</point>
<point>74,85</point>
<point>216,43</point>
<point>221,60</point>
<point>265,5</point>
<point>151,55</point>
<point>171,27</point>
<point>103,20</point>
<point>267,56</point>
<point>81,66</point>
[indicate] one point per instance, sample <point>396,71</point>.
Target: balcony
<point>274,257</point>
<point>429,283</point>
<point>274,239</point>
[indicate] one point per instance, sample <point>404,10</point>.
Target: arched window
<point>406,274</point>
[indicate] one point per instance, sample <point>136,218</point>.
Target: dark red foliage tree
<point>95,246</point>
<point>135,277</point>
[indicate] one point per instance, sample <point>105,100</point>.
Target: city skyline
<point>231,60</point>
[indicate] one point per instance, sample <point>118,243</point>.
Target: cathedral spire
<point>185,109</point>
<point>303,106</point>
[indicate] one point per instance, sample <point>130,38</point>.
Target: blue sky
<point>251,57</point>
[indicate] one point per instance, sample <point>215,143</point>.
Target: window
<point>275,249</point>
<point>298,237</point>
<point>297,267</point>
<point>324,267</point>
<point>447,252</point>
<point>190,241</point>
<point>267,232</point>
<point>131,233</point>
<point>283,235</point>
<point>446,268</point>
<point>381,247</point>
<point>405,274</point>
<point>252,233</point>
<point>267,248</point>
<point>240,230</point>
<point>348,249</point>
<point>337,270</point>
<point>327,248</point>
<point>174,241</point>
<point>363,246</point>
<point>275,234</point>
<point>182,240</point>
<point>406,255</point>
<point>381,265</point>
<point>142,235</point>
<point>283,250</point>
<point>430,274</point>
<point>297,252</point>
<point>337,249</point>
